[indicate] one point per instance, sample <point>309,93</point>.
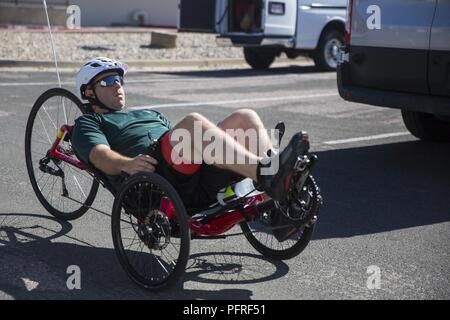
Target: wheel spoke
<point>48,115</point>
<point>79,186</point>
<point>40,142</point>
<point>46,133</point>
<point>80,173</point>
<point>64,110</point>
<point>161,264</point>
<point>45,184</point>
<point>51,190</point>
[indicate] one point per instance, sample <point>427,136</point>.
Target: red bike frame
<point>55,152</point>
<point>223,222</point>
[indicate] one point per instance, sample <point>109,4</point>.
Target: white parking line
<point>222,102</point>
<point>376,137</point>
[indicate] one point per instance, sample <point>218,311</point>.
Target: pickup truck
<point>294,27</point>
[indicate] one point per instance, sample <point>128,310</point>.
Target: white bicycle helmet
<point>94,67</point>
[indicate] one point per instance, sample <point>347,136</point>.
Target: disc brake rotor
<point>155,230</point>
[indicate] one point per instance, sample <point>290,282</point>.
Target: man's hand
<point>113,163</point>
<point>140,163</point>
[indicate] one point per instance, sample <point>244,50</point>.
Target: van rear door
<point>439,61</point>
<point>199,15</point>
<point>275,18</point>
<point>389,44</point>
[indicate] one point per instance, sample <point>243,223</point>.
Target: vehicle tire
<point>326,54</point>
<point>426,126</point>
<point>258,58</point>
<point>152,245</point>
<point>52,109</point>
<point>260,234</point>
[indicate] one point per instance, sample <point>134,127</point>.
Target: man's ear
<point>89,93</point>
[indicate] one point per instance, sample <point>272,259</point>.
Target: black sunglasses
<point>109,81</point>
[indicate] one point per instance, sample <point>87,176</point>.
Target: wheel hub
<point>155,230</point>
<point>332,52</point>
<point>299,205</point>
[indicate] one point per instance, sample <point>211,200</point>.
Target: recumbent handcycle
<point>151,228</point>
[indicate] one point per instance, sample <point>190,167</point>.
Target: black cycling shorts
<point>198,190</point>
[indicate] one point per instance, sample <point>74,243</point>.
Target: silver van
<point>397,55</point>
<point>265,28</point>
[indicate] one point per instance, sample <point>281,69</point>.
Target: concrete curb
<point>138,65</point>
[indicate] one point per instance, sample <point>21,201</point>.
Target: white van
<point>400,61</point>
<point>267,28</point>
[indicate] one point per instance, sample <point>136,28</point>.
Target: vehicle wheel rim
<point>331,52</point>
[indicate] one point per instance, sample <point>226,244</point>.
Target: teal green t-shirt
<point>127,132</point>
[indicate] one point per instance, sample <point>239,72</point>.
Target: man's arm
<point>113,163</point>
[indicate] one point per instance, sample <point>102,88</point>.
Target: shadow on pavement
<point>383,188</point>
<point>233,268</point>
<point>33,266</point>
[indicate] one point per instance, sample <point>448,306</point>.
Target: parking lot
<point>385,193</point>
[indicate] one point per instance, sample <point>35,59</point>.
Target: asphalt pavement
<point>386,203</point>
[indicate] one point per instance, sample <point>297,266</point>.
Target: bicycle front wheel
<point>51,110</point>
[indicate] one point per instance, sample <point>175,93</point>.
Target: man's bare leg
<point>239,151</point>
<point>274,182</point>
<point>247,119</point>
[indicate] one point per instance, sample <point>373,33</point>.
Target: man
<point>114,140</point>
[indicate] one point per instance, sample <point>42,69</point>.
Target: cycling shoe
<point>277,184</point>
